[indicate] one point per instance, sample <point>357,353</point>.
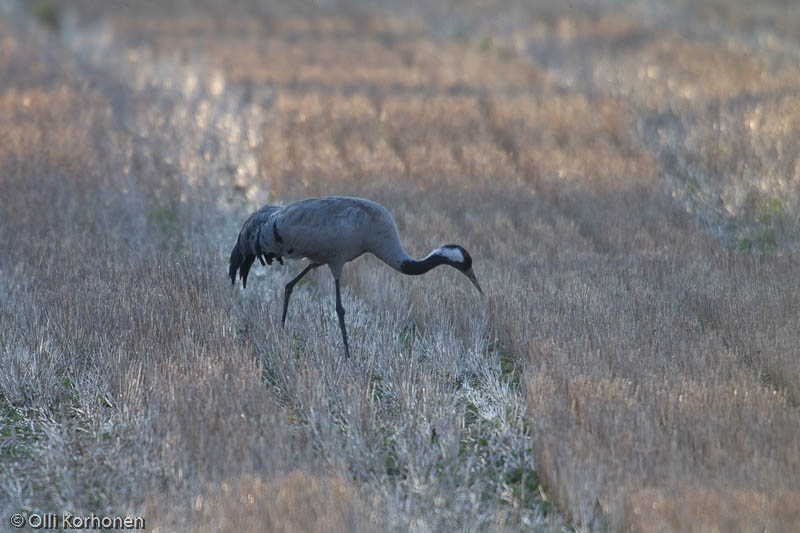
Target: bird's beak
<point>471,275</point>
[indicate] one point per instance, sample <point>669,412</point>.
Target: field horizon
<point>626,177</point>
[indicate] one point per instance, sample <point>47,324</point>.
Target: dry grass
<point>627,182</point>
<point>704,510</point>
<point>297,502</point>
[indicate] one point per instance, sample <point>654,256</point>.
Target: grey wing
<point>253,241</point>
<point>323,230</point>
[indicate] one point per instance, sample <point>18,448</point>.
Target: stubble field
<point>626,178</point>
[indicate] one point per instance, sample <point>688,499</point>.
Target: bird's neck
<point>413,267</point>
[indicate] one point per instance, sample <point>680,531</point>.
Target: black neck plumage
<point>415,268</point>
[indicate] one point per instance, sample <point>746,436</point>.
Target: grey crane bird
<point>332,231</point>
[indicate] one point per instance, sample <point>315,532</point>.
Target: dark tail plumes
<point>241,260</point>
<point>247,246</point>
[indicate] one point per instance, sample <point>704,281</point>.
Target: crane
<point>332,231</point>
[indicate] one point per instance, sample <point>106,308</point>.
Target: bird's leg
<point>340,312</point>
<point>290,286</point>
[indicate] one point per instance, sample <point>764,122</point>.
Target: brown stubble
<point>632,225</point>
<point>663,308</point>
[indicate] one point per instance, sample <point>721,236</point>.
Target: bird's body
<point>332,231</point>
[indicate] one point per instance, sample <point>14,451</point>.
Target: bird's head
<point>457,257</point>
